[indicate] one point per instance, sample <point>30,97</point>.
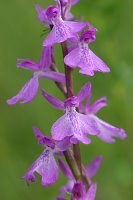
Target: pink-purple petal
<point>27,93</point>
<point>86,63</point>
<point>46,167</point>
<point>75,26</point>
<point>27,64</point>
<point>41,14</point>
<point>81,108</point>
<point>39,136</point>
<point>97,105</point>
<point>54,76</point>
<point>61,128</point>
<point>80,137</point>
<point>48,170</point>
<point>53,101</point>
<point>46,58</point>
<point>93,166</point>
<point>88,125</point>
<point>84,92</point>
<point>73,58</point>
<point>59,33</point>
<point>97,63</point>
<point>91,193</point>
<point>85,70</point>
<point>29,175</point>
<point>107,131</point>
<point>68,16</point>
<point>13,100</point>
<point>50,39</point>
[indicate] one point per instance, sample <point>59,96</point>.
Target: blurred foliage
<point>20,37</point>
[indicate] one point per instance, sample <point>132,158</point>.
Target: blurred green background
<point>20,37</point>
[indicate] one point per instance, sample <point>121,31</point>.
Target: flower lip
<point>71,102</point>
<point>52,12</point>
<point>88,36</point>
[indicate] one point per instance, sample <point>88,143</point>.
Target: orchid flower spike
<point>45,165</point>
<point>40,70</point>
<point>62,30</point>
<point>72,124</point>
<point>106,131</point>
<point>83,57</point>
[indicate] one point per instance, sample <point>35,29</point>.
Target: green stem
<point>71,162</point>
<point>61,86</point>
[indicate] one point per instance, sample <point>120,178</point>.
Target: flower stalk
<point>72,164</point>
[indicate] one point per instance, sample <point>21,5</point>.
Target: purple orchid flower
<point>79,192</point>
<point>106,131</point>
<point>45,165</point>
<point>41,70</point>
<point>83,57</point>
<point>62,30</point>
<point>72,124</point>
<point>90,171</point>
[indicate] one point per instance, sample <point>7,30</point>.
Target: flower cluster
<point>79,119</point>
